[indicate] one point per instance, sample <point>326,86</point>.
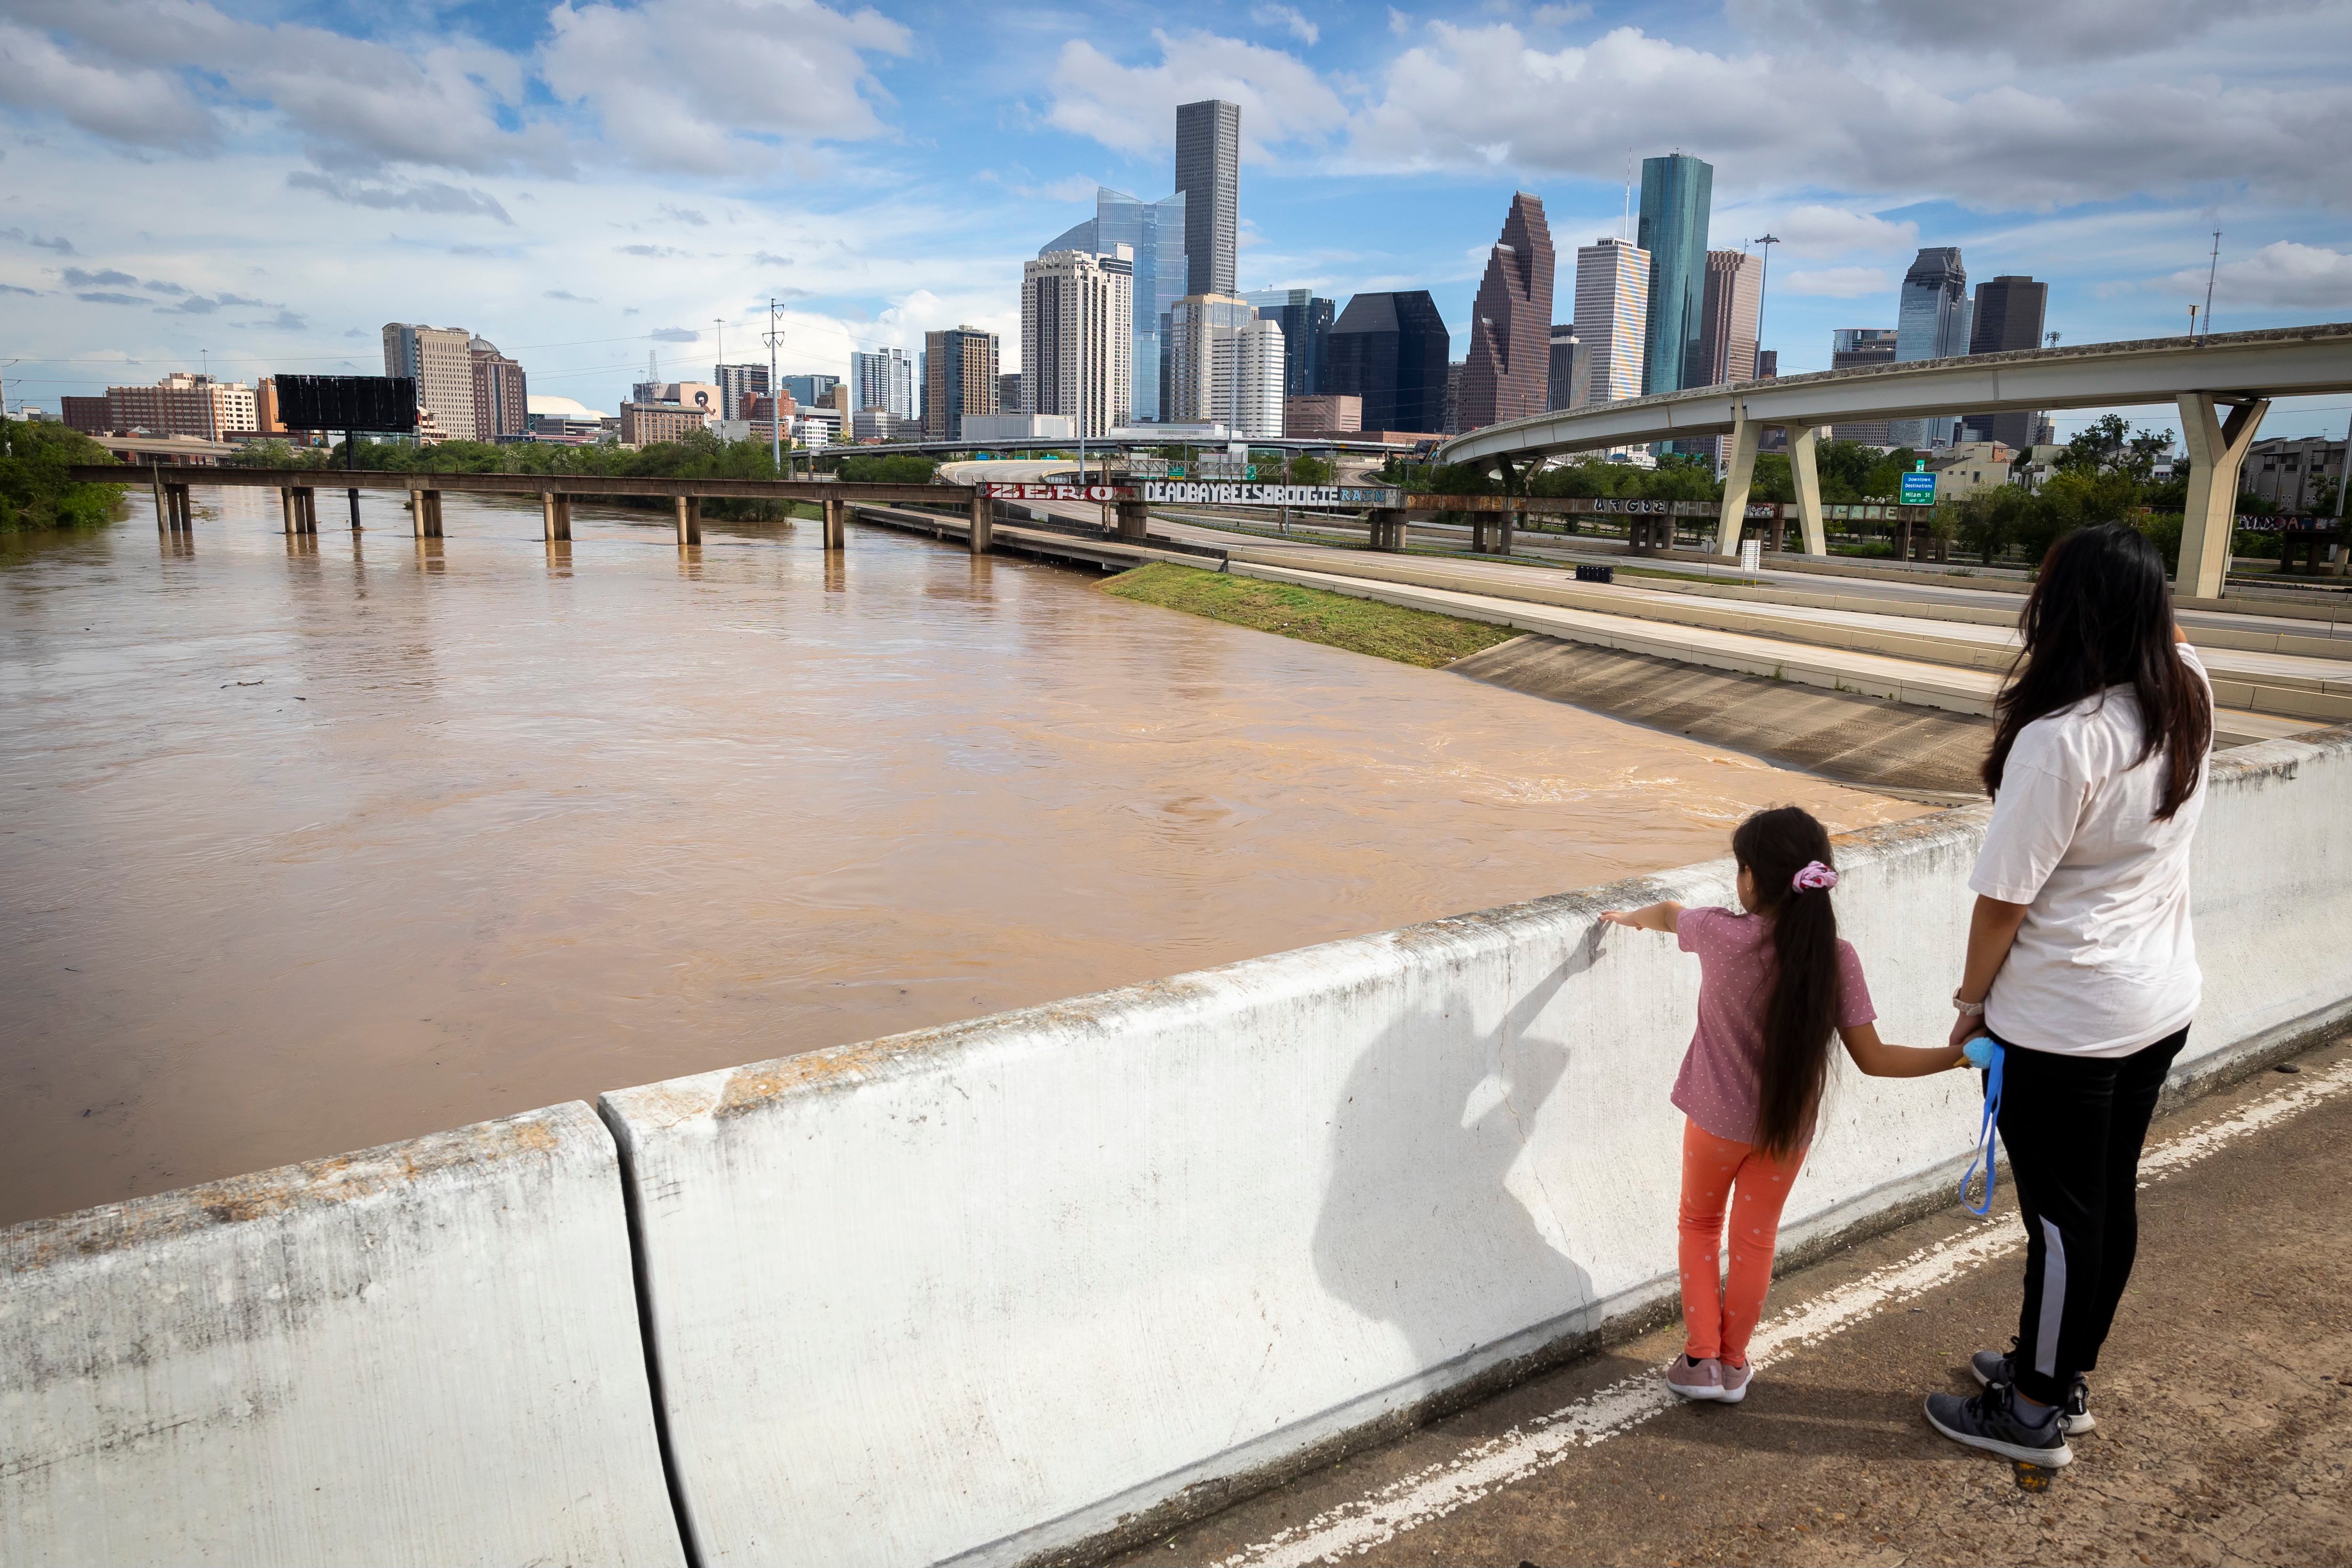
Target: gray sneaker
<point>1990,1421</point>
<point>1992,1366</point>
<point>1735,1382</point>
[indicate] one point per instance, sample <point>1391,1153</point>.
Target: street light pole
<point>776,396</point>
<point>1763,282</point>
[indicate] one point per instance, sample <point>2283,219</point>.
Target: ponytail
<point>1777,847</point>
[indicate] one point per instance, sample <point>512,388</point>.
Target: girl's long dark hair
<point>1801,1013</point>
<point>2100,617</point>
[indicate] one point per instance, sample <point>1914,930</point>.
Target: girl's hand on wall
<point>1649,917</point>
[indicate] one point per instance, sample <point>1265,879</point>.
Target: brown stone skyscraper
<point>1508,373</point>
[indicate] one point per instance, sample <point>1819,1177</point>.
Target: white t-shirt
<point>2106,962</point>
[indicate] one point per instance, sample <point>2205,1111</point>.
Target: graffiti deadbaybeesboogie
<point>1181,493</point>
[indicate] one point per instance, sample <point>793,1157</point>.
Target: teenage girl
<point>1775,983</point>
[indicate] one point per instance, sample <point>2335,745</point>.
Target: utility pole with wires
<point>1763,281</point>
<point>2212,270</point>
<point>776,396</point>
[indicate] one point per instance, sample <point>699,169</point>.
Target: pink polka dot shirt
<point>1718,1085</point>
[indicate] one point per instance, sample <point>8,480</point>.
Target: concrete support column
<point>983,523</point>
<point>163,518</point>
<point>1739,478</point>
<point>1134,520</point>
<point>836,525</point>
<point>417,512</point>
<point>2216,450</point>
<point>306,509</point>
<point>181,518</point>
<point>1806,476</point>
<point>433,514</point>
<point>689,520</point>
<point>1505,527</point>
<point>1388,530</point>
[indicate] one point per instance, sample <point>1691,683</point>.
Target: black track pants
<point>2073,1126</point>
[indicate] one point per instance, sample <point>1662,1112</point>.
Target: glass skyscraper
<point>1933,324</point>
<point>1677,193</point>
<point>1305,323</point>
<point>1154,233</point>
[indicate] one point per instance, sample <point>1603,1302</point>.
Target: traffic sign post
<point>1919,489</point>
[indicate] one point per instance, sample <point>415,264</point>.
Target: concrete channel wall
<point>986,1292</point>
<point>423,1353</point>
<point>980,1292</point>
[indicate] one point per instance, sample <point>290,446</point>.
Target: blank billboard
<point>382,403</point>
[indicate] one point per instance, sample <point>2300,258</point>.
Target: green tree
<point>891,468</point>
<point>34,490</point>
<point>1304,470</point>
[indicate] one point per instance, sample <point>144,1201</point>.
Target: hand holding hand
<point>1966,1027</point>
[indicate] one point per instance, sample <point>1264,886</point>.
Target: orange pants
<point>1717,1317</point>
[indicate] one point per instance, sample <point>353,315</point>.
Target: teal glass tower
<point>1676,192</point>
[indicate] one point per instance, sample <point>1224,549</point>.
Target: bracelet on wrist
<point>1971,1009</point>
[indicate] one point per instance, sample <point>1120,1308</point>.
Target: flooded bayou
<point>313,845</point>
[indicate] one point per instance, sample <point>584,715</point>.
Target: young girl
<point>1775,982</point>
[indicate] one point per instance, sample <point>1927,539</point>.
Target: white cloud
<point>1133,109</point>
<point>143,108</point>
<point>421,196</point>
<point>1289,18</point>
<point>690,84</point>
<point>2282,274</point>
<point>357,104</point>
<point>2034,29</point>
<point>1815,230</point>
<point>1839,282</point>
<point>1845,120</point>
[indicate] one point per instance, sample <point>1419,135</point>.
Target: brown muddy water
<point>308,848</point>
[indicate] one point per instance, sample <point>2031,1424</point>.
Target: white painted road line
<point>1415,1499</point>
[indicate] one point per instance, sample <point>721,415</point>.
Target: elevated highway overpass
<point>2222,386</point>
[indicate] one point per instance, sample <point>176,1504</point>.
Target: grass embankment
<point>1311,614</point>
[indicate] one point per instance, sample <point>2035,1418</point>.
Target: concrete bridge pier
<point>836,525</point>
<point>162,511</point>
<point>689,520</point>
<point>300,505</point>
<point>1387,529</point>
<point>1806,475</point>
<point>984,521</point>
<point>1134,520</point>
<point>554,516</point>
<point>176,517</point>
<point>1739,478</point>
<point>2217,452</point>
<point>425,513</point>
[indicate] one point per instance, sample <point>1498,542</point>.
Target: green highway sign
<point>1918,490</point>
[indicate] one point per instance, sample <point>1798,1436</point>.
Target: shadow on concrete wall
<point>1419,1229</point>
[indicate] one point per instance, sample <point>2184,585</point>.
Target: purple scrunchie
<point>1815,874</point>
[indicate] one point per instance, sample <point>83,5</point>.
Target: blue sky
<point>267,183</point>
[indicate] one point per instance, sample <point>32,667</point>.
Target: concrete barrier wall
<point>426,1354</point>
<point>978,1292</point>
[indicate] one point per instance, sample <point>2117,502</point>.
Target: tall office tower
<point>1197,324</point>
<point>1568,365</point>
<point>812,390</point>
<point>1850,348</point>
<point>738,384</point>
<point>1009,396</point>
<point>1153,233</point>
<point>1767,364</point>
<point>1725,350</point>
<point>1612,309</point>
<point>1245,372</point>
<point>1677,193</point>
<point>1305,323</point>
<point>884,379</point>
<point>959,373</point>
<point>2008,316</point>
<point>1506,367</point>
<point>1209,178</point>
<point>501,407</point>
<point>1933,324</point>
<point>441,361</point>
<point>1449,408</point>
<point>1077,339</point>
<point>1391,350</point>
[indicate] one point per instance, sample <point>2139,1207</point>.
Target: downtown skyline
<point>589,186</point>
